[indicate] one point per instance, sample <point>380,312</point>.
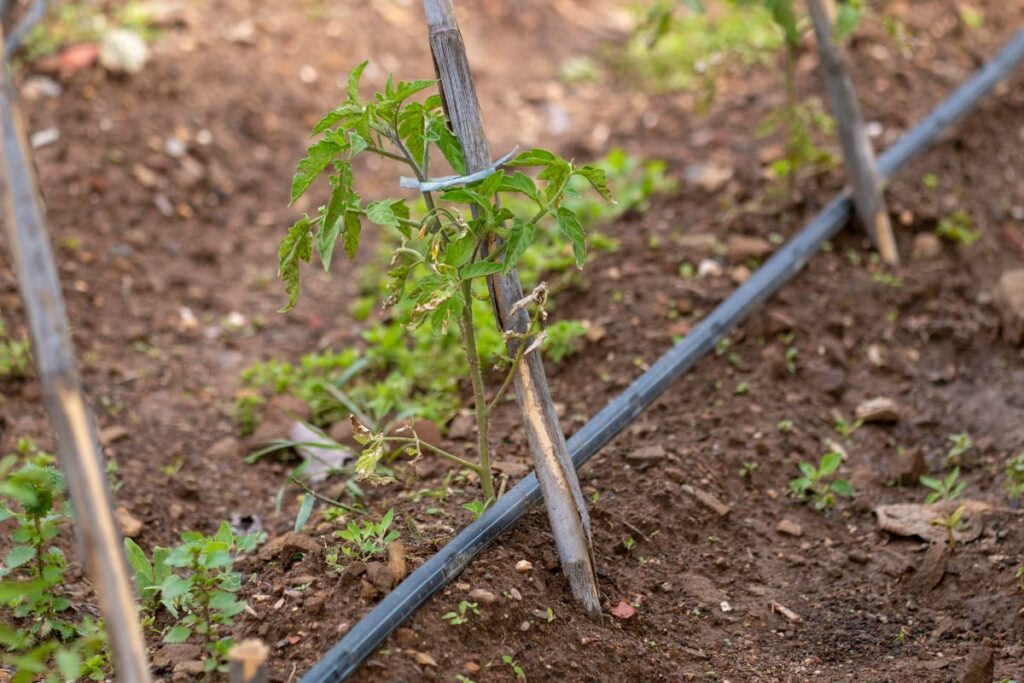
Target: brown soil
<point>703,583</point>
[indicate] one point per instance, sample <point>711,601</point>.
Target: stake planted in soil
<point>77,445</point>
<point>249,662</point>
<point>858,158</point>
<point>567,511</point>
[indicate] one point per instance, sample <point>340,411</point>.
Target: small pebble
<point>524,567</point>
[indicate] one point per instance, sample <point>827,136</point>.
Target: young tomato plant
<point>460,617</point>
<point>38,635</point>
<point>369,540</point>
<point>817,484</point>
<point>196,583</point>
<point>951,523</point>
<point>945,489</point>
<point>463,234</point>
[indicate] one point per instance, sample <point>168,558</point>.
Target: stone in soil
<point>131,526</point>
<point>739,248</point>
<point>646,454</point>
<point>980,666</point>
<point>1009,299</point>
<point>790,528</point>
<point>927,247</point>
<point>880,409</point>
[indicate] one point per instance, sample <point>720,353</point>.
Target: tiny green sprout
<point>817,484</point>
<point>961,443</point>
<point>628,542</point>
<point>790,359</point>
<point>930,180</point>
<point>476,508</point>
<point>846,429</point>
<point>785,425</point>
<point>461,678</point>
<point>461,616</point>
<point>958,228</point>
<point>951,523</point>
<point>946,489</point>
<point>902,634</point>
<point>595,497</point>
<point>722,346</point>
<point>511,663</point>
<point>747,470</point>
<point>741,388</point>
<point>1015,476</point>
<point>363,542</point>
<point>686,270</point>
<point>550,615</point>
<point>881,277</point>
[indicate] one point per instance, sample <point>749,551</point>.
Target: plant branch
<point>483,416</point>
<point>322,498</point>
<point>434,449</point>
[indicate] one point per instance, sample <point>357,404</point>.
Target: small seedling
<point>1015,476</point>
<point>846,429</point>
<point>951,523</point>
<point>628,543</point>
<point>785,426</point>
<point>747,470</point>
<point>901,636</point>
<point>46,644</point>
<point>946,489</point>
<point>14,354</point>
<point>958,228</point>
<point>202,594</point>
<point>368,540</point>
<point>460,617</point>
<point>815,484</point>
<point>962,443</point>
<point>511,663</point>
<point>476,508</point>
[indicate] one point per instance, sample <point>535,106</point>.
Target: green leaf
<point>352,229</point>
<point>174,587</point>
<point>533,157</point>
<point>556,175</point>
<point>570,227</point>
<point>353,81</point>
<point>304,512</point>
<point>343,114</point>
<point>68,663</point>
<point>830,463</point>
<point>177,634</point>
<point>931,482</point>
<point>597,179</point>
<point>460,251</point>
<point>331,225</point>
<point>297,246</point>
<point>489,185</point>
<point>479,269</point>
<point>318,157</point>
<point>519,182</point>
<point>406,89</point>
<point>412,128</point>
<point>19,555</point>
<point>381,213</point>
<point>808,470</point>
<point>139,564</point>
<point>841,487</point>
<point>449,145</point>
<point>848,15</point>
<point>520,237</point>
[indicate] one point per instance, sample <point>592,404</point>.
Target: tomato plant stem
<point>483,417</point>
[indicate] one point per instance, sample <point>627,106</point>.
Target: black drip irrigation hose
<point>343,659</point>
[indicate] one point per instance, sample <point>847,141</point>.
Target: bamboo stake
<point>566,509</point>
<point>77,446</point>
<point>249,662</point>
<point>858,157</point>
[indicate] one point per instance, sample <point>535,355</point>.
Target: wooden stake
<point>858,157</point>
<point>77,446</point>
<point>249,662</point>
<point>566,509</point>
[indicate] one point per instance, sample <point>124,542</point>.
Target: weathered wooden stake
<point>77,445</point>
<point>858,157</point>
<point>249,662</point>
<point>566,508</point>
